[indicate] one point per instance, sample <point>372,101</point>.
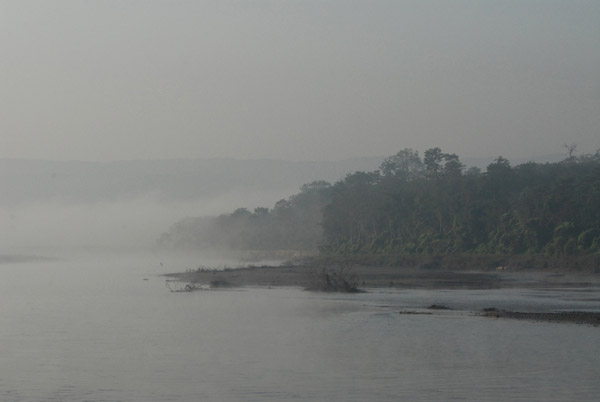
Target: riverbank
<point>576,317</point>
<point>383,276</point>
<point>304,276</point>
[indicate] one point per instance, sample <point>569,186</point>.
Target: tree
<point>452,165</point>
<point>406,165</point>
<point>433,162</point>
<point>570,151</point>
<point>499,177</point>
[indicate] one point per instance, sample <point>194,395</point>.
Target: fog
<point>50,207</point>
<point>261,81</point>
<point>297,80</point>
<point>124,122</point>
<point>134,223</point>
<point>129,204</point>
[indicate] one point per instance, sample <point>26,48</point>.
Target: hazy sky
<point>299,80</point>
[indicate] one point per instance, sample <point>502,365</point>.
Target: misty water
<point>106,328</point>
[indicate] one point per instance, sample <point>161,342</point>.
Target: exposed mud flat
<point>398,277</point>
<point>577,317</point>
<point>407,278</point>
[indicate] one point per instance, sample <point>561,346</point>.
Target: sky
<point>297,80</point>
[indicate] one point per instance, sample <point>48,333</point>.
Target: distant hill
<point>37,181</point>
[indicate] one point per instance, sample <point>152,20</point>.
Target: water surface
<point>96,330</point>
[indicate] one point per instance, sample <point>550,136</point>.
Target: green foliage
<point>433,207</point>
<point>595,247</point>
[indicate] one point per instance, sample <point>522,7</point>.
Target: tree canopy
<point>433,206</point>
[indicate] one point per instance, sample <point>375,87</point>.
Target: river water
<point>108,329</point>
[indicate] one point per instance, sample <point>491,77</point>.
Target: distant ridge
<point>26,181</point>
<point>37,181</point>
<point>19,258</point>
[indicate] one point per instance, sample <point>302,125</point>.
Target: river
<point>106,328</point>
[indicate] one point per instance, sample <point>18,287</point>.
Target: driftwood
<point>335,278</point>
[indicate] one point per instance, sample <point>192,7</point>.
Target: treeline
<point>433,206</point>
<point>292,224</point>
<point>430,206</point>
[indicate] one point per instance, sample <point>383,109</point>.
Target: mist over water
<point>128,204</point>
<point>114,224</point>
<point>120,119</point>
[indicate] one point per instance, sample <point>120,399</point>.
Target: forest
<point>423,206</point>
<point>293,224</point>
